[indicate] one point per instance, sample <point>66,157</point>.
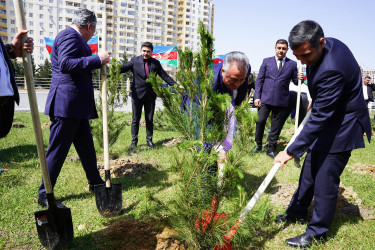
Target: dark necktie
<point>280,64</point>
<point>147,71</point>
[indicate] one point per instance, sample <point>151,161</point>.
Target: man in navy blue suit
<point>70,101</point>
<point>8,88</point>
<point>339,118</point>
<point>142,92</point>
<point>272,94</point>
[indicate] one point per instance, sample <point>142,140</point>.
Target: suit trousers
<point>64,132</point>
<point>6,114</point>
<point>277,123</point>
<point>137,105</point>
<point>320,178</point>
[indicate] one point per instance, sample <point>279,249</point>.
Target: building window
<point>31,14</point>
<point>41,41</point>
<point>13,30</point>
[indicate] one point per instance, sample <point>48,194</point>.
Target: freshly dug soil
<point>348,202</point>
<point>135,234</point>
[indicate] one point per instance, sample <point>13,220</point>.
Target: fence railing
<point>44,83</point>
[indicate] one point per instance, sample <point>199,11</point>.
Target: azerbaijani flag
<point>49,44</point>
<point>93,44</point>
<point>219,59</point>
<point>166,55</point>
<point>304,78</point>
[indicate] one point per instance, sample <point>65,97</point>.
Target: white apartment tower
<point>129,22</point>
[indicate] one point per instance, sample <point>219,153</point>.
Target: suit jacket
<point>71,93</point>
<point>339,113</point>
<point>219,87</point>
<point>370,88</point>
<point>272,86</point>
<point>11,71</point>
<point>139,87</point>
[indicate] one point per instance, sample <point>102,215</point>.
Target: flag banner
<point>93,44</point>
<point>304,78</point>
<point>166,55</point>
<point>49,44</point>
<point>219,59</point>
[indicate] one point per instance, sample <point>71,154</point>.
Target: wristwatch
<point>10,50</point>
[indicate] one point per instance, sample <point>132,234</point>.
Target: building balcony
<point>2,33</point>
<point>3,25</point>
<point>3,6</point>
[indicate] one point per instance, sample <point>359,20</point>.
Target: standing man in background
<point>368,87</point>
<point>339,117</point>
<point>272,95</point>
<point>70,101</point>
<point>142,92</point>
<point>8,88</point>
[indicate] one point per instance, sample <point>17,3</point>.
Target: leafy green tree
<point>202,123</point>
<point>18,68</point>
<point>44,70</point>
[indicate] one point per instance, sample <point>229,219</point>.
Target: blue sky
<point>254,26</point>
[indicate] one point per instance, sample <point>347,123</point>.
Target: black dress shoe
<point>91,188</point>
<point>132,146</point>
<point>44,203</point>
<point>257,149</point>
<point>304,240</point>
<point>291,218</point>
<point>271,154</point>
<point>150,144</point>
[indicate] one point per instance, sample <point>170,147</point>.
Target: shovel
<point>54,225</point>
<point>108,196</point>
<point>225,245</point>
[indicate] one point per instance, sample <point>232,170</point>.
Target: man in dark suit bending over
<point>339,118</point>
<point>142,92</point>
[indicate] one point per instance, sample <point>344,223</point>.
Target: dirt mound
<point>135,234</point>
<point>46,125</point>
<point>348,202</point>
<point>73,158</point>
<point>171,142</point>
<point>127,167</point>
<point>18,125</point>
<point>363,169</point>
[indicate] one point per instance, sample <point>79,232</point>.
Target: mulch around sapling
<point>348,202</point>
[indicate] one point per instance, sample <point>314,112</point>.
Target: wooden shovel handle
<point>29,78</point>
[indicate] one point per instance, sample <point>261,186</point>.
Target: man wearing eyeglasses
<point>272,95</point>
<point>70,102</point>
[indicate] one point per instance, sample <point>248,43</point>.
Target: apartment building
<point>129,22</point>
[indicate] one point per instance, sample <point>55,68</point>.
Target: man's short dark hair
<point>305,31</point>
<point>282,41</point>
<point>148,45</point>
<point>368,77</point>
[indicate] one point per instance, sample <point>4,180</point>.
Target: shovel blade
<point>108,200</point>
<point>55,227</point>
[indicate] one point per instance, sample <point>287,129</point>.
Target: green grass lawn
<point>18,190</point>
